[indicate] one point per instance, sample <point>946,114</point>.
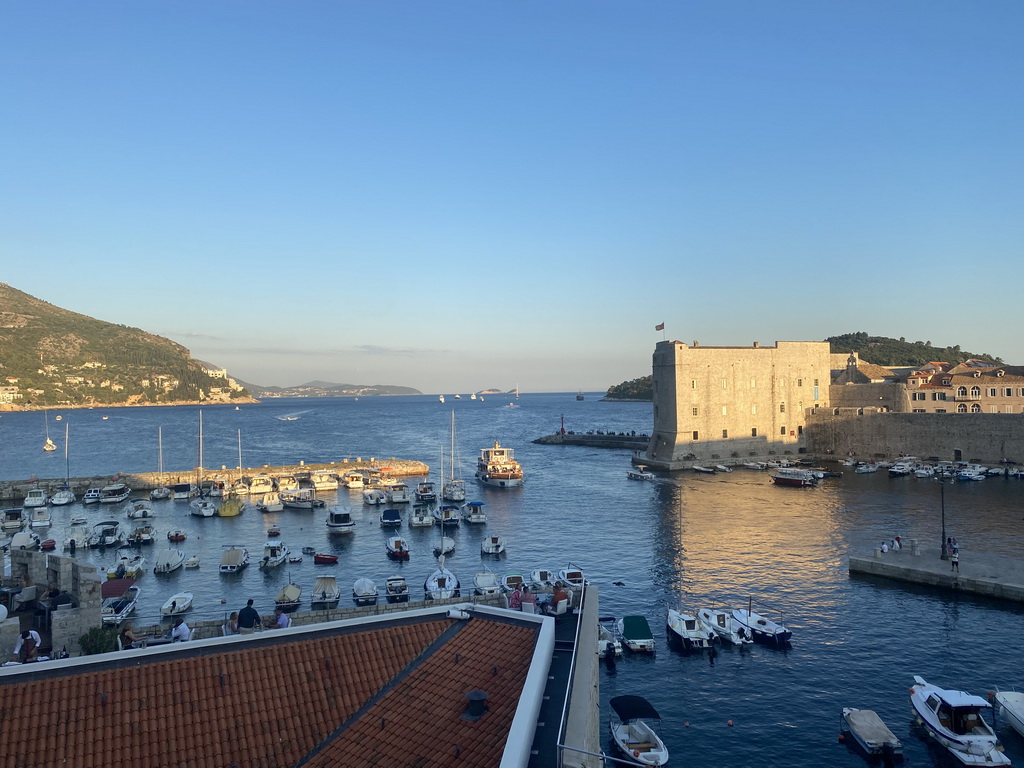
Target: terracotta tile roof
<point>274,701</point>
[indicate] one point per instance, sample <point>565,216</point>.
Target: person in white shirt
<point>180,632</point>
<point>27,647</point>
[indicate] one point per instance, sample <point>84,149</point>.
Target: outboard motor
<point>609,656</point>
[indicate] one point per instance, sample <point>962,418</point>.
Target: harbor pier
<point>980,573</point>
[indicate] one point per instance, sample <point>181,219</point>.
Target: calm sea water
<point>682,541</point>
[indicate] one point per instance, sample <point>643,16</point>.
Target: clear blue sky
<point>467,194</point>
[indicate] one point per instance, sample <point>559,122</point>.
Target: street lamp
<point>944,554</point>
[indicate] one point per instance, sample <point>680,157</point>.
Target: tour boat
<point>632,732</point>
<point>868,730</point>
<point>301,499</point>
<point>496,466</point>
<point>954,719</point>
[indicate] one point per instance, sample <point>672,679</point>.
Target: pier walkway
<point>980,573</point>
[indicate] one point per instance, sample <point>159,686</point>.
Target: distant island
<point>329,389</point>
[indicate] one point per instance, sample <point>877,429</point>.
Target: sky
<point>470,194</point>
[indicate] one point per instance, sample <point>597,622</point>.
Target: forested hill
<point>52,356</point>
<point>879,350</point>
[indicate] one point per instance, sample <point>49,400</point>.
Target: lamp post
<point>942,506</point>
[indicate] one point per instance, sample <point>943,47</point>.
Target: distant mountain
<point>51,356</point>
<point>328,389</point>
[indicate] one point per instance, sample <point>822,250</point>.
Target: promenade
<point>980,573</point>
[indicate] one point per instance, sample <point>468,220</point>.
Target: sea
<point>681,541</point>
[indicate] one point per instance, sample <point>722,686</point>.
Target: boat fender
<point>455,613</point>
<point>636,752</point>
<point>842,738</point>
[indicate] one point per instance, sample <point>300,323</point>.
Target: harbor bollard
<point>878,551</point>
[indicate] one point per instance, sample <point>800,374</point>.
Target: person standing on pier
<point>954,560</point>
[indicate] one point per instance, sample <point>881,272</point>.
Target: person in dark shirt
<point>248,619</point>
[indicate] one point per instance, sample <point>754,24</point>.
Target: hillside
<point>51,356</point>
<point>879,350</point>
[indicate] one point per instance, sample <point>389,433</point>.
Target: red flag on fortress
<point>659,327</point>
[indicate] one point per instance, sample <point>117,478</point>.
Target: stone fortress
<point>734,404</point>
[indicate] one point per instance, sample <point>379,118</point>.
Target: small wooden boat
<point>572,576</point>
<point>177,604</point>
<point>309,550</point>
<point>396,589</point>
<point>294,558</point>
<point>192,562</point>
<point>632,732</point>
<point>273,531</point>
<point>492,545</point>
<point>868,730</point>
<point>636,634</point>
<point>288,598</point>
<point>397,548</point>
<point>48,545</point>
<point>542,579</point>
<point>364,592</point>
<point>322,558</point>
<point>486,583</point>
<point>176,535</point>
<point>510,581</point>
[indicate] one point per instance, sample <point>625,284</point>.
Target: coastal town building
<point>721,403</point>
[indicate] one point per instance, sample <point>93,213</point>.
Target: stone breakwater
<point>623,440</point>
<point>15,490</point>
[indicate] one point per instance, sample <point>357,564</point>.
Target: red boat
<point>324,559</point>
<point>175,535</point>
<point>273,531</point>
<point>48,545</point>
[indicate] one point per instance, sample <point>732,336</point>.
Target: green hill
<point>52,356</point>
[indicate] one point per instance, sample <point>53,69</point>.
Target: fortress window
<point>782,430</point>
<point>800,429</point>
<point>1009,409</point>
<point>1008,392</point>
<point>919,410</point>
<point>815,382</point>
<point>693,383</point>
<point>725,383</point>
<point>753,431</point>
<point>799,382</point>
<point>695,411</point>
<point>753,383</point>
<point>725,434</point>
<point>725,410</point>
<point>753,410</point>
<point>975,408</point>
<point>975,391</point>
<point>940,410</point>
<point>696,435</point>
<point>782,407</point>
<point>993,409</point>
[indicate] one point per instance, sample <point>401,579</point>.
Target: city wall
<point>983,437</point>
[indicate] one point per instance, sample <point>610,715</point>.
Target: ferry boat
<point>498,467</point>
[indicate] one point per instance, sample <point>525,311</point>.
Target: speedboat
<point>289,597</point>
<point>169,560</point>
<point>270,502</point>
<point>78,537</point>
<point>234,559</point>
<point>374,496</point>
<point>723,624</point>
<point>636,634</point>
<point>340,521</point>
<point>14,519</point>
<point>274,554</point>
<point>40,518</point>
<point>181,491</point>
<point>492,545</point>
<point>354,480</point>
<point>794,478</point>
<point>632,732</point>
<point>473,512</point>
<point>763,630</point>
<point>396,589</point>
<point>36,497</point>
<point>498,467</point>
<point>639,472</point>
<point>397,548</point>
<point>868,730</point>
<point>364,592</point>
<point>1011,708</point>
<point>119,599</point>
<point>486,583</point>
<point>286,483</point>
<point>107,534</point>
<point>141,510</point>
<point>261,484</point>
<point>442,583</point>
<point>390,518</point>
<point>323,480</point>
<point>420,517</point>
<point>607,638</point>
<point>688,631</point>
<point>326,593</point>
<point>202,508</point>
<point>62,498</point>
<point>953,718</point>
<point>177,604</point>
<point>142,533</point>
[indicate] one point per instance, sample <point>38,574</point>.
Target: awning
<point>633,708</point>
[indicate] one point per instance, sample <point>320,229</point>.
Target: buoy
<point>729,723</point>
<point>686,724</point>
<point>636,753</point>
<point>841,738</point>
<point>222,601</point>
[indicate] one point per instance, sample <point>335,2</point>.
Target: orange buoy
<point>636,753</point>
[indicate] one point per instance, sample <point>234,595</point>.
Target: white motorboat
<point>354,480</point>
<point>78,520</point>
<point>35,497</point>
<point>323,480</point>
<point>425,492</point>
<point>141,509</point>
<point>688,631</point>
<point>326,593</point>
<point>865,468</point>
<point>572,576</point>
<point>202,508</point>
<point>63,497</point>
<point>374,496</point>
<point>340,520</point>
<point>160,493</point>
<point>119,599</point>
<point>289,598</point>
<point>633,733</point>
<point>107,534</point>
<point>77,538</point>
<point>868,730</point>
<point>142,533</point>
<point>396,589</point>
<point>169,560</point>
<point>398,493</point>
<point>442,583</point>
<point>192,561</point>
<point>723,624</point>
<point>444,546</point>
<point>608,641</point>
<point>762,629</point>
<point>92,496</point>
<point>239,488</point>
<point>454,490</point>
<point>14,519</point>
<point>390,518</point>
<point>25,540</point>
<point>128,567</point>
<point>270,502</point>
<point>234,559</point>
<point>901,469</point>
<point>486,583</point>
<point>700,469</point>
<point>364,592</point>
<point>274,554</point>
<point>497,466</point>
<point>473,512</point>
<point>636,634</point>
<point>421,517</point>
<point>39,517</point>
<point>639,472</point>
<point>114,493</point>
<point>722,468</point>
<point>304,498</point>
<point>1011,708</point>
<point>261,484</point>
<point>447,515</point>
<point>397,548</point>
<point>177,604</point>
<point>542,579</point>
<point>183,491</point>
<point>286,484</point>
<point>954,719</point>
<point>492,545</point>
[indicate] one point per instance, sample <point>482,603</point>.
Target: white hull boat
<point>636,634</point>
<point>114,494</point>
<point>270,502</point>
<point>234,559</point>
<point>639,472</point>
<point>441,584</point>
<point>374,496</point>
<point>300,499</point>
<point>473,513</point>
<point>77,538</point>
<point>868,730</point>
<point>192,561</point>
<point>364,592</point>
<point>396,589</point>
<point>261,484</point>
<point>1011,709</point>
<point>202,508</point>
<point>25,540</point>
<point>183,491</point>
<point>510,581</point>
<point>723,624</point>
<point>141,510</point>
<point>399,494</point>
<point>40,518</point>
<point>688,631</point>
<point>92,496</point>
<point>421,517</point>
<point>168,561</point>
<point>954,719</point>
<point>274,554</point>
<point>498,468</point>
<point>177,604</point>
<point>763,630</point>
<point>632,732</point>
<point>107,534</point>
<point>324,480</point>
<point>492,545</point>
<point>340,521</point>
<point>444,546</point>
<point>608,642</point>
<point>289,597</point>
<point>486,583</point>
<point>541,579</point>
<point>36,497</point>
<point>62,498</point>
<point>127,568</point>
<point>326,593</point>
<point>118,607</point>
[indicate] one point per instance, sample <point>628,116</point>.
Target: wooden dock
<point>980,573</point>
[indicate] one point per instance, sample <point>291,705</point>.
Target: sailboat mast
<point>199,469</point>
<point>239,455</point>
<point>160,451</point>
<point>67,460</point>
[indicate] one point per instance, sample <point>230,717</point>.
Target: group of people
<point>522,599</point>
<point>894,544</point>
<point>245,621</point>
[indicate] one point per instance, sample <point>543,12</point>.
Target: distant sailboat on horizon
<point>48,446</point>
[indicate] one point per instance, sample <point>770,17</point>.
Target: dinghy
<point>177,604</point>
<point>289,597</point>
<point>633,733</point>
<point>868,730</point>
<point>396,589</point>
